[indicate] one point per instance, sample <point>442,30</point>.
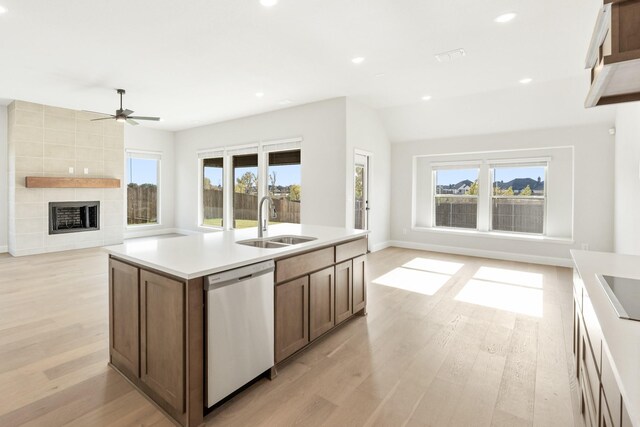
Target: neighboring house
<point>519,184</point>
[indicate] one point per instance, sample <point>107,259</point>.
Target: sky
<point>454,176</point>
<point>142,171</point>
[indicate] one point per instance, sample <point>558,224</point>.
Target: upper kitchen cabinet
<point>614,54</point>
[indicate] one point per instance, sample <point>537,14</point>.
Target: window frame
<point>519,164</point>
<point>435,167</point>
<point>148,155</point>
<point>202,156</point>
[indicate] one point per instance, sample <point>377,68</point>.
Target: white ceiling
<point>202,61</point>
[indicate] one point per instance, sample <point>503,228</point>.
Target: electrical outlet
<point>71,169</point>
<point>585,246</point>
<point>86,171</point>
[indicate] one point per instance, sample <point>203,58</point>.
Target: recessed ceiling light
<point>526,80</point>
<point>268,3</point>
<point>2,10</point>
<point>358,60</point>
<point>505,17</point>
<point>259,94</point>
<point>426,97</point>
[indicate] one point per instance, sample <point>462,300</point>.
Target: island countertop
<point>622,336</point>
<point>202,254</point>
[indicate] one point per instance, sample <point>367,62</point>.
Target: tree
<point>294,192</point>
<point>497,191</point>
<point>473,189</point>
<point>526,191</point>
<point>272,180</point>
<point>358,185</point>
<point>206,184</point>
<point>246,183</point>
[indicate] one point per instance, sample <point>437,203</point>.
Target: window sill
<point>496,235</point>
<point>141,226</point>
<point>210,227</point>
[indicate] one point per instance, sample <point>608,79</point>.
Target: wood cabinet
<point>162,337</point>
<point>614,54</point>
<point>344,291</point>
<point>292,317</point>
<point>321,302</point>
<point>156,337</point>
<point>359,284</point>
<point>124,347</point>
<point>601,403</point>
<point>316,291</point>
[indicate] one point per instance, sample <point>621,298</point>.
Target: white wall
<point>627,179</point>
<point>145,139</point>
<point>322,125</point>
<point>4,197</point>
<point>365,132</point>
<point>593,195</point>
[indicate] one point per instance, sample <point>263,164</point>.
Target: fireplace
<point>73,217</point>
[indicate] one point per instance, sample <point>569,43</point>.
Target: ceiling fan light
<point>121,119</point>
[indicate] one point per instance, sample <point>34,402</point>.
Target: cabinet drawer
<point>296,266</point>
<point>592,329</point>
<point>587,404</point>
<point>589,372</point>
<point>610,390</point>
<point>350,250</point>
<point>578,286</point>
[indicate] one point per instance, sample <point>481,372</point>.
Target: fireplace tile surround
<point>48,141</point>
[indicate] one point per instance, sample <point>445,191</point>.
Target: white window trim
<point>485,197</point>
<point>149,155</point>
<point>262,149</point>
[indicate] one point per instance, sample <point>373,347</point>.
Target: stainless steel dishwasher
<point>240,329</point>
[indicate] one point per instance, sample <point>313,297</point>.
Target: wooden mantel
<point>54,182</point>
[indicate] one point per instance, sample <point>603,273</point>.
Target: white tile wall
<point>47,141</point>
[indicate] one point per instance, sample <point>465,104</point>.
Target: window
<point>518,198</point>
<point>143,179</point>
<point>456,197</point>
<point>284,185</point>
<point>245,191</point>
<point>212,191</point>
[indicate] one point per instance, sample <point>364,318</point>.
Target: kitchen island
<point>158,308</point>
<point>606,347</point>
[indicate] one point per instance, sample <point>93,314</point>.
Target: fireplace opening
<point>72,217</point>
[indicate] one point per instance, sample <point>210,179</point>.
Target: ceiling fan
<point>124,115</point>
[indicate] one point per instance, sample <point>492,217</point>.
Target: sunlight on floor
<point>434,265</point>
<point>421,275</point>
<point>510,290</point>
<point>514,277</point>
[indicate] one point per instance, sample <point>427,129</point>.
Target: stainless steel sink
<point>291,240</point>
<point>276,241</point>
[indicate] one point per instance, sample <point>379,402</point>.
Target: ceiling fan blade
<point>103,118</point>
<point>132,122</point>
<point>155,119</point>
<point>96,112</point>
<point>127,112</point>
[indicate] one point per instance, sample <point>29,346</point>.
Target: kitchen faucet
<point>263,227</point>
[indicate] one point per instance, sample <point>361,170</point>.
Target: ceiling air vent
<point>450,55</point>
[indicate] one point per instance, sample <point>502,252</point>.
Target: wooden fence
<point>142,204</point>
<point>245,207</point>
<point>517,214</point>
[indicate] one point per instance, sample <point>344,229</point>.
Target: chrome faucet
<point>262,226</point>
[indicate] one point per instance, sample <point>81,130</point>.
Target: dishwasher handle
<point>226,278</point>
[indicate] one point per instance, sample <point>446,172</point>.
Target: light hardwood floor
<point>415,359</point>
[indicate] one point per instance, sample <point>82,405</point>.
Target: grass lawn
<point>240,223</point>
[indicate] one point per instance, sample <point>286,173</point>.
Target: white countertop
<point>198,255</point>
<point>622,336</point>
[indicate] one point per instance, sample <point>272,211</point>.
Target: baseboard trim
<point>506,256</point>
<point>380,246</point>
<point>4,249</point>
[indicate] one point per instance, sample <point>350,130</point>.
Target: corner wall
<point>592,195</point>
<point>627,179</point>
<point>4,175</point>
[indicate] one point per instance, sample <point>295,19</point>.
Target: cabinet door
<point>344,291</point>
<point>292,317</point>
<point>124,346</point>
<point>359,283</point>
<point>321,302</point>
<point>162,337</point>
